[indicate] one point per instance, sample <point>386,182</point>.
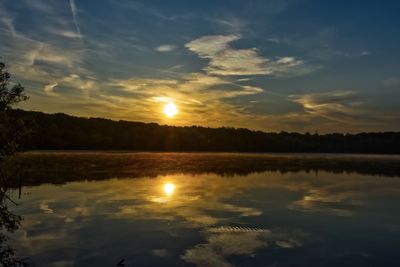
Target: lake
<point>188,209</point>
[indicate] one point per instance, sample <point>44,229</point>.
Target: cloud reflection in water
<point>90,219</point>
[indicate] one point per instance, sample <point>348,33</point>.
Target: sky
<point>270,65</point>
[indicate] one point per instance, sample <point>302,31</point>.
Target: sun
<point>169,188</point>
<point>170,110</point>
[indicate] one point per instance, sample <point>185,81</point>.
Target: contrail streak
<point>74,16</point>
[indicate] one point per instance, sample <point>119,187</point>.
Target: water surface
<point>232,210</point>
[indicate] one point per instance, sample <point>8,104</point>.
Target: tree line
<point>64,132</point>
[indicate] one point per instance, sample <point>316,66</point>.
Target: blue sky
<point>331,66</point>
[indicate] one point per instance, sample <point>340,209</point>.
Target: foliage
<point>9,96</point>
<point>12,132</point>
<point>8,222</point>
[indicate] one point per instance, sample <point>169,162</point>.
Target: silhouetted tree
<point>12,131</point>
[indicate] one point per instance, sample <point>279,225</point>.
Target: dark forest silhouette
<point>61,131</point>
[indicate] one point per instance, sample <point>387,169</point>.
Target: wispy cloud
<point>74,12</point>
<point>341,106</point>
<point>200,97</point>
<point>49,89</point>
<point>148,10</point>
<point>225,60</point>
<point>320,44</point>
<point>315,100</point>
<point>165,48</point>
<point>40,5</point>
<point>349,109</point>
<point>67,34</point>
<point>27,51</point>
<point>8,23</point>
<point>200,87</point>
<point>43,65</point>
<point>392,81</point>
<point>231,24</point>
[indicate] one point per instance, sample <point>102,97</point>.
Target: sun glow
<point>170,110</point>
<point>169,189</point>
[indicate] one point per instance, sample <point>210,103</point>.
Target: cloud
<point>315,100</point>
<point>165,48</point>
<point>392,81</point>
<point>320,44</point>
<point>67,34</point>
<point>231,24</point>
<point>149,10</point>
<point>194,85</point>
<point>42,6</point>
<point>9,24</point>
<point>75,16</point>
<point>341,106</point>
<point>320,201</point>
<point>222,245</point>
<point>160,252</point>
<point>39,65</point>
<point>49,89</point>
<point>225,60</point>
<point>76,81</point>
<point>246,90</point>
<point>365,53</point>
<point>200,97</point>
<point>51,54</point>
<point>44,206</point>
<point>27,51</point>
<point>239,241</point>
<point>349,109</point>
<point>143,85</point>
